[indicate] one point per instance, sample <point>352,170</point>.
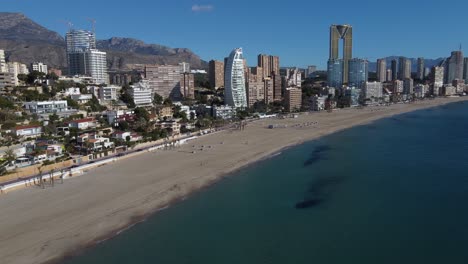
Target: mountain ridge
<point>26,41</point>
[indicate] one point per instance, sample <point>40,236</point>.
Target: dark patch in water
<point>308,203</point>
<point>319,191</point>
<point>371,127</point>
<point>317,155</point>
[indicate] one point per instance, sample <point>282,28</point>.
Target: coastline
<point>107,212</point>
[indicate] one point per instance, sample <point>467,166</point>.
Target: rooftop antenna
<point>93,23</point>
<point>460,46</point>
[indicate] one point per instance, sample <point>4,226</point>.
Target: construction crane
<point>67,23</point>
<point>93,24</point>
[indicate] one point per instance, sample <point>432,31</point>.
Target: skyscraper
<point>358,73</point>
<point>216,74</point>
<point>344,32</point>
<point>465,69</point>
<point>437,79</point>
<point>269,64</point>
<point>165,80</point>
<point>3,65</point>
<point>335,73</point>
<point>404,70</point>
<point>455,67</point>
<point>389,75</point>
<point>83,58</point>
<point>394,70</point>
<point>235,92</point>
<point>421,68</point>
<point>381,70</point>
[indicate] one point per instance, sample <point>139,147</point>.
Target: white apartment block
<point>39,66</point>
<point>372,90</point>
<point>47,107</point>
<point>3,65</point>
<point>109,93</point>
<point>142,94</point>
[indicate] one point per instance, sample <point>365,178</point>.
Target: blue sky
<point>297,31</point>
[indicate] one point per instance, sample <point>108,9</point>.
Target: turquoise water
<point>395,191</point>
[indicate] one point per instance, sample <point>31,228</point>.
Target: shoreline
<point>177,190</point>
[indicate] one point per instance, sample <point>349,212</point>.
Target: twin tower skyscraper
<point>338,68</point>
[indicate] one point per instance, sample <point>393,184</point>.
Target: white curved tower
<point>235,93</point>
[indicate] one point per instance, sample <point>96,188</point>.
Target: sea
<point>392,191</point>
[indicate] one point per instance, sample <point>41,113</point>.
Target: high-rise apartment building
<point>372,90</point>
<point>421,68</point>
<point>335,73</point>
<point>187,85</point>
<point>455,67</point>
<point>437,79</point>
<point>165,80</point>
<point>465,69</point>
<point>394,69</point>
<point>216,74</point>
<point>234,91</point>
<point>345,33</point>
<point>293,99</point>
<point>293,77</point>
<point>16,68</point>
<point>310,71</point>
<point>408,85</point>
<point>83,58</point>
<point>389,76</point>
<point>404,68</point>
<point>256,88</point>
<point>358,72</point>
<point>269,63</point>
<point>381,70</point>
<point>3,65</point>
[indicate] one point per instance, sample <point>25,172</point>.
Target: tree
<point>158,99</point>
<point>72,103</point>
<point>5,103</point>
<point>168,102</point>
<point>123,125</point>
<point>10,155</point>
<point>141,113</point>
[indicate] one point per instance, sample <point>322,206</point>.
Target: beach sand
<point>41,225</point>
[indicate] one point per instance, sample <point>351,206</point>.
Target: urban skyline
<point>209,45</point>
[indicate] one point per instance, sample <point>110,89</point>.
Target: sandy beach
<point>43,225</point>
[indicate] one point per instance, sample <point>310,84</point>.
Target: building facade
<point>293,99</point>
<point>420,69</point>
<point>141,94</point>
<point>437,80</point>
<point>3,65</point>
<point>381,70</point>
<point>408,85</point>
<point>335,73</point>
<point>235,92</point>
<point>358,72</point>
<point>394,69</point>
<point>46,107</point>
<point>372,90</point>
<point>345,33</point>
<point>108,93</point>
<point>187,86</point>
<point>455,67</point>
<point>39,67</point>
<point>216,74</point>
<point>165,80</point>
<point>83,58</point>
<point>404,68</point>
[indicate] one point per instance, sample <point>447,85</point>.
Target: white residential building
<point>94,142</point>
<point>318,103</point>
<point>235,93</point>
<point>39,66</point>
<point>49,107</point>
<point>142,95</point>
<point>372,90</point>
<point>28,131</point>
<point>82,98</point>
<point>109,93</point>
<point>3,65</point>
<point>16,68</point>
<point>85,123</point>
<point>224,112</point>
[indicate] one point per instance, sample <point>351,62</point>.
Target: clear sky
<point>297,31</point>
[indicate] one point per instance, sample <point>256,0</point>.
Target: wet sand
<point>37,226</point>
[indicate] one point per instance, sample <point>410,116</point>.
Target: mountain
<point>428,63</point>
<point>26,41</point>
